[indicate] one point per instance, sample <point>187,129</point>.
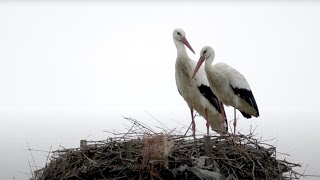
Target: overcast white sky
<point>71,70</point>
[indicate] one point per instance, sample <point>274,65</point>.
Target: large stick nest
<point>143,154</point>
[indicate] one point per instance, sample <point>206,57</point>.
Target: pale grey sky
<point>71,70</point>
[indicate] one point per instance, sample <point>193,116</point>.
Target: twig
<point>188,129</point>
<point>163,125</point>
<point>32,176</point>
<point>48,155</point>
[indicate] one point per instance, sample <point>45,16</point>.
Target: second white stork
<point>196,92</point>
<point>229,85</point>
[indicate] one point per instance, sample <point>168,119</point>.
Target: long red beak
<point>185,42</point>
<point>201,60</point>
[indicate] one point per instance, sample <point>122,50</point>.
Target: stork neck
<point>181,49</point>
<point>183,62</point>
<point>208,62</point>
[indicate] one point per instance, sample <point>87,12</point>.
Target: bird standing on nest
<point>196,92</point>
<point>230,86</point>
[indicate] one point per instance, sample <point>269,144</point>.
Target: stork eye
<point>178,33</point>
<point>204,51</point>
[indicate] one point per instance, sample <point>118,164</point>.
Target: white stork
<point>196,92</point>
<point>230,86</point>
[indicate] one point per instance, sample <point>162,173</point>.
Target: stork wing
<point>204,87</point>
<point>240,87</point>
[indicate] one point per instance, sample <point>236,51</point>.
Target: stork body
<point>229,85</point>
<point>196,92</point>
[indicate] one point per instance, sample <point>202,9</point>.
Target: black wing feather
<point>208,94</point>
<point>246,95</point>
<point>212,98</point>
<point>225,118</point>
<point>245,114</point>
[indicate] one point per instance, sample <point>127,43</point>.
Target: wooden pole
<point>83,144</point>
<point>127,148</point>
<point>207,149</point>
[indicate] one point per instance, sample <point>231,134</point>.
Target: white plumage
<point>229,85</point>
<point>196,92</point>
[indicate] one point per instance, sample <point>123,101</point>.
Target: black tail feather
<point>246,115</point>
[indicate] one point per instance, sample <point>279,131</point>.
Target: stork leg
<point>193,123</point>
<point>235,121</point>
<point>207,124</point>
<point>222,117</point>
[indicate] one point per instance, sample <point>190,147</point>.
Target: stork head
<point>179,35</point>
<point>206,52</point>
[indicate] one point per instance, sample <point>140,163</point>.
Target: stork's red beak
<point>185,42</point>
<point>201,60</point>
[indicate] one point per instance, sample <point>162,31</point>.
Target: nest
<point>142,153</point>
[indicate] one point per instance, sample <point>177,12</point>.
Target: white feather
<point>236,79</point>
<point>200,77</point>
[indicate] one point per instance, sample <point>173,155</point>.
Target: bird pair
<point>206,89</point>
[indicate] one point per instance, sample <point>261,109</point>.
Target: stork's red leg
<point>222,116</point>
<point>193,123</point>
<point>207,124</point>
<point>235,121</point>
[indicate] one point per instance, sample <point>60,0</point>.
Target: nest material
<point>149,155</point>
